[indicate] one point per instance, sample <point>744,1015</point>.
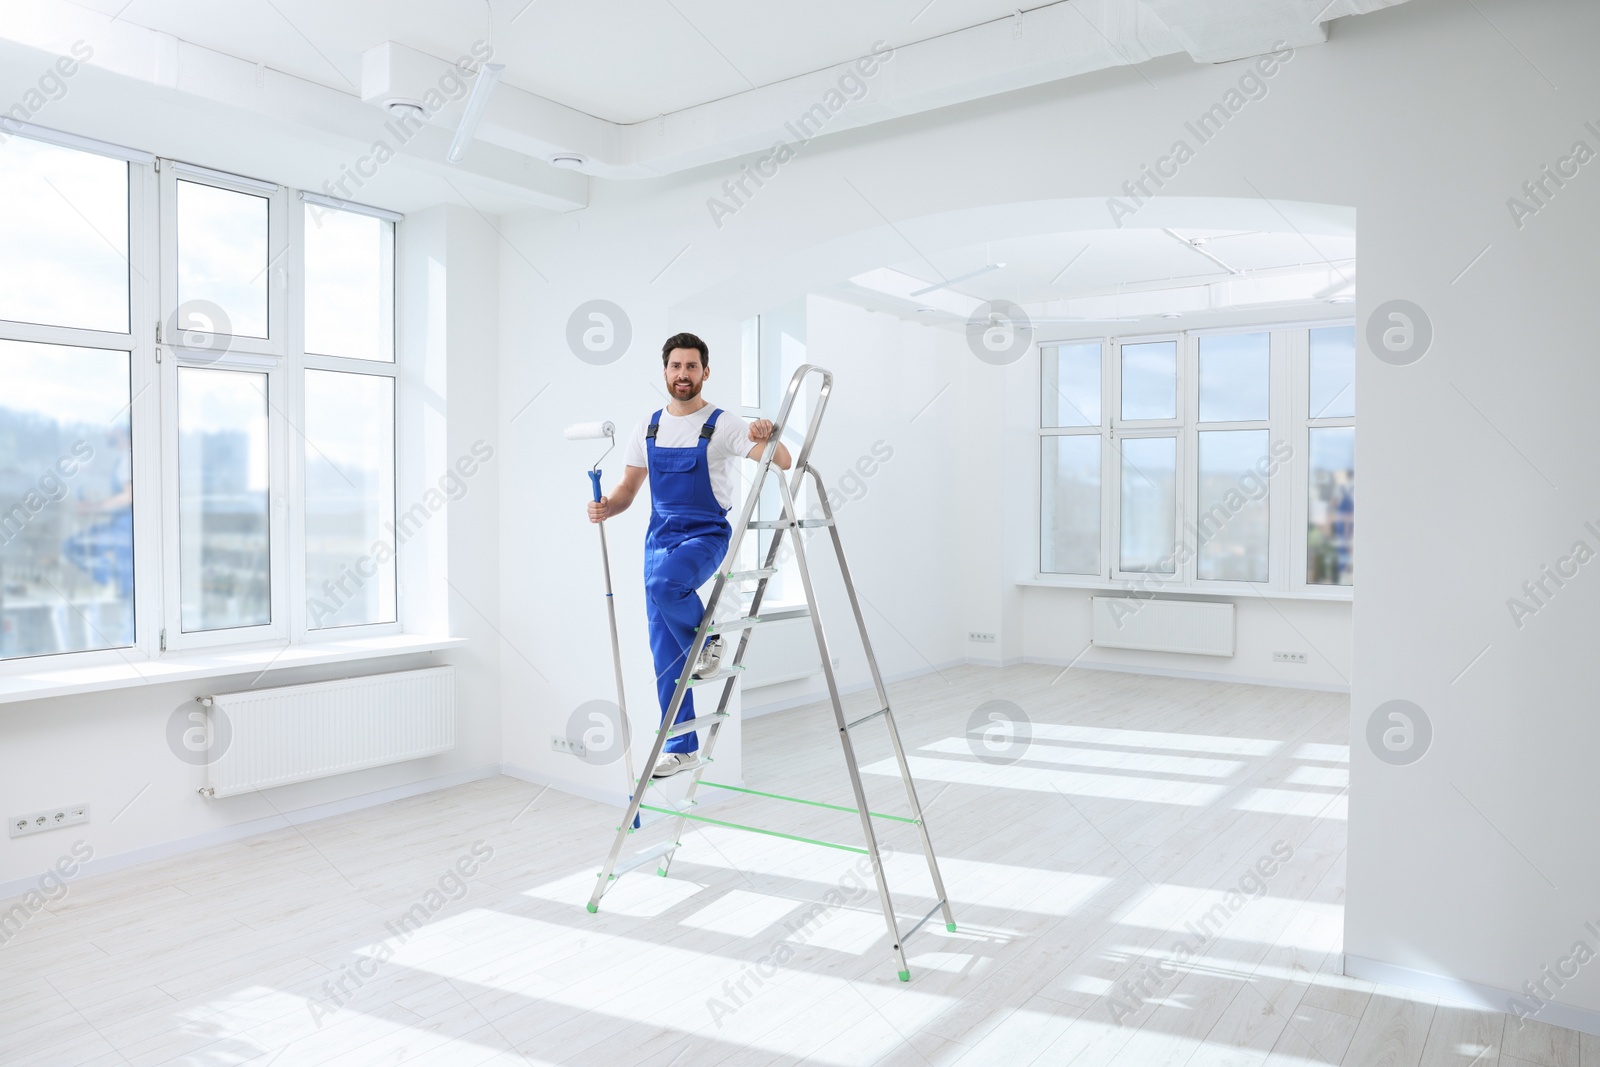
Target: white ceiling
<point>1099,275</point>
<point>619,60</point>
<point>627,88</point>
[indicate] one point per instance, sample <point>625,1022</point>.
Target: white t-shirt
<point>730,442</point>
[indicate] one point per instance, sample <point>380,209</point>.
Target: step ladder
<point>788,523</point>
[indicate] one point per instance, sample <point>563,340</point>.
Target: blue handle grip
<point>594,479</point>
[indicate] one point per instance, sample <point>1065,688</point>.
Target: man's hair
<point>686,340</point>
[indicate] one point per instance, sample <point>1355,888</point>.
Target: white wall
<point>890,468</point>
<point>1056,630</point>
<point>110,749</point>
<point>1423,118</point>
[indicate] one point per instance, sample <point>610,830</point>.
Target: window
<point>1331,436</point>
<point>198,431</point>
<point>1173,462</point>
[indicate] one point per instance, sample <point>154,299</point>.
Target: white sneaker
<point>710,656</point>
<point>671,763</point>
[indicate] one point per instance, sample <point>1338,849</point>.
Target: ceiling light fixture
<point>403,109</point>
<point>488,77</point>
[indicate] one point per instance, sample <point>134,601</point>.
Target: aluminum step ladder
<point>788,523</point>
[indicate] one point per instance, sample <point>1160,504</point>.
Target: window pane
<point>1233,377</point>
<point>1069,387</point>
<point>349,284</point>
<point>1150,380</point>
<point>63,237</point>
<point>66,500</point>
<point>1330,533</point>
<point>1070,504</point>
<point>1149,504</point>
<point>1333,372</point>
<point>350,569</point>
<point>224,567</point>
<point>222,259</point>
<point>1231,527</point>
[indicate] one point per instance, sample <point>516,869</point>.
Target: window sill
<point>49,681</point>
<point>1344,596</point>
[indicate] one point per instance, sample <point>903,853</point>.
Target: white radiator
<point>1202,629</point>
<point>271,737</point>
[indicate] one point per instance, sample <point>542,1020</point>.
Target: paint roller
<point>593,431</point>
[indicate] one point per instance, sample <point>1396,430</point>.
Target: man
<point>689,451</point>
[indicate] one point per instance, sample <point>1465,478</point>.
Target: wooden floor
<point>1106,879</point>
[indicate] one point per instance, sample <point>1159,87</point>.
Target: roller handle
<point>594,480</point>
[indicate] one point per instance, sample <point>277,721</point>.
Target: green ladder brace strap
<point>799,800</point>
<point>753,829</point>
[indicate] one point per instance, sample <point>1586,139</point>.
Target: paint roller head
<point>590,431</point>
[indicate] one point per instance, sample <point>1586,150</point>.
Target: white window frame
<point>144,410</point>
<point>1288,498</point>
<point>154,363</point>
<point>1121,429</point>
<point>301,361</point>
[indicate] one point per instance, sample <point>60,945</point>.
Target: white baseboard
<point>251,828</point>
<point>1198,676</point>
<point>1473,994</point>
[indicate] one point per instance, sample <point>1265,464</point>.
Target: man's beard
<point>694,390</point>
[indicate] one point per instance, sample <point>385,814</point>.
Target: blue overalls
<point>687,539</point>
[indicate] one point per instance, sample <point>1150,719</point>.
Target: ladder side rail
<point>848,748</point>
<point>883,702</point>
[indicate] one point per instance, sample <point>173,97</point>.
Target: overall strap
<point>650,431</point>
<point>709,428</point>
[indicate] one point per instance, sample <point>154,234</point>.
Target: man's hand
<point>600,510</point>
<point>761,429</point>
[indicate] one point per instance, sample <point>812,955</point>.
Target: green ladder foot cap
<point>661,872</point>
<point>951,927</point>
<point>592,908</point>
<point>905,976</point>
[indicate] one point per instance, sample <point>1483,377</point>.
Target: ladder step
<point>749,621</point>
<point>866,718</point>
<point>639,859</point>
<point>697,722</point>
<point>787,524</point>
<point>717,676</point>
<point>746,576</point>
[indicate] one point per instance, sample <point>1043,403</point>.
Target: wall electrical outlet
<point>562,744</point>
<point>980,635</point>
<point>1288,657</point>
<point>39,821</point>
